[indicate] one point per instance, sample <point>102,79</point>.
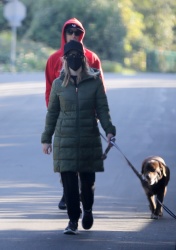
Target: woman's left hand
<point>109,136</point>
<point>47,148</point>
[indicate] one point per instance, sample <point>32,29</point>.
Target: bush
<point>30,56</point>
<point>5,43</point>
<point>136,61</point>
<point>109,66</point>
<point>161,61</point>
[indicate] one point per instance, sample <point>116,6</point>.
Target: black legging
<point>71,192</point>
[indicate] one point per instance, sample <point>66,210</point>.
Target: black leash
<point>143,182</point>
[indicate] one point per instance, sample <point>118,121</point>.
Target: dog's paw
<point>160,214</point>
<point>154,216</point>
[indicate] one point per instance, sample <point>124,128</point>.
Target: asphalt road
<point>143,108</point>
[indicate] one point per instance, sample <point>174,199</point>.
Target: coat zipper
<point>78,133</point>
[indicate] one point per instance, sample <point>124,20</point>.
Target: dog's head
<point>153,170</point>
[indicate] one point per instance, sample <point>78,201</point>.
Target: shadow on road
<point>143,109</point>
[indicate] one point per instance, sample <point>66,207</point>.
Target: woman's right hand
<point>47,148</point>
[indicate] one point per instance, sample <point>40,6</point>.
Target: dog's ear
<point>163,168</point>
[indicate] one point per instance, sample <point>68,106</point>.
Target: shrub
<point>110,66</point>
<point>30,56</point>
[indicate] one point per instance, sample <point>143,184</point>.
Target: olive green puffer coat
<point>71,117</point>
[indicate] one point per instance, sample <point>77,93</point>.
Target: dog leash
<point>143,182</point>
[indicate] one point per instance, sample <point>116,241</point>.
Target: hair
<point>85,70</point>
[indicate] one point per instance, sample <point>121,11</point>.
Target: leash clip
<point>112,140</point>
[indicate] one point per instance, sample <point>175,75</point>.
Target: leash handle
<point>104,156</point>
<point>110,145</point>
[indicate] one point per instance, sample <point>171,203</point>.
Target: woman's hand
<point>109,136</point>
<point>47,148</point>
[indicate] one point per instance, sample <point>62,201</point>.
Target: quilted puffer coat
<point>72,118</point>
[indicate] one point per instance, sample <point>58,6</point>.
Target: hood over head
<point>74,23</point>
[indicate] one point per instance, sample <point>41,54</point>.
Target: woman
<point>71,30</point>
<point>77,99</point>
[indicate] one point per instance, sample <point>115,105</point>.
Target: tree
<point>105,31</point>
<point>160,20</point>
<point>115,29</point>
<point>3,22</point>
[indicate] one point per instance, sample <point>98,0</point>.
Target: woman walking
<point>76,101</point>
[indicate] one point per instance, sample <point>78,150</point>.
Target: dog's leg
<point>152,205</point>
<point>160,197</point>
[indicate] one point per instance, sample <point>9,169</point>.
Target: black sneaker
<point>72,228</point>
<point>87,220</point>
<point>62,204</point>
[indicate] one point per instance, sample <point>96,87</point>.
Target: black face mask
<point>74,61</point>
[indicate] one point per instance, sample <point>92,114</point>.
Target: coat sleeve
<point>51,116</point>
<point>102,110</point>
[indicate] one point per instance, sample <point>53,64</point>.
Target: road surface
<point>143,108</point>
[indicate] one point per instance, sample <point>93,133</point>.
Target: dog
<point>156,176</point>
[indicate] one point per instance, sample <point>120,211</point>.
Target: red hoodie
<point>54,63</point>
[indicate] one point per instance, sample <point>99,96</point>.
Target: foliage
<point>160,21</point>
<point>137,61</point>
<point>101,19</point>
<point>110,66</point>
<point>3,22</point>
<point>31,56</point>
<point>120,31</point>
<point>5,40</point>
<point>133,22</point>
<point>161,61</point>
